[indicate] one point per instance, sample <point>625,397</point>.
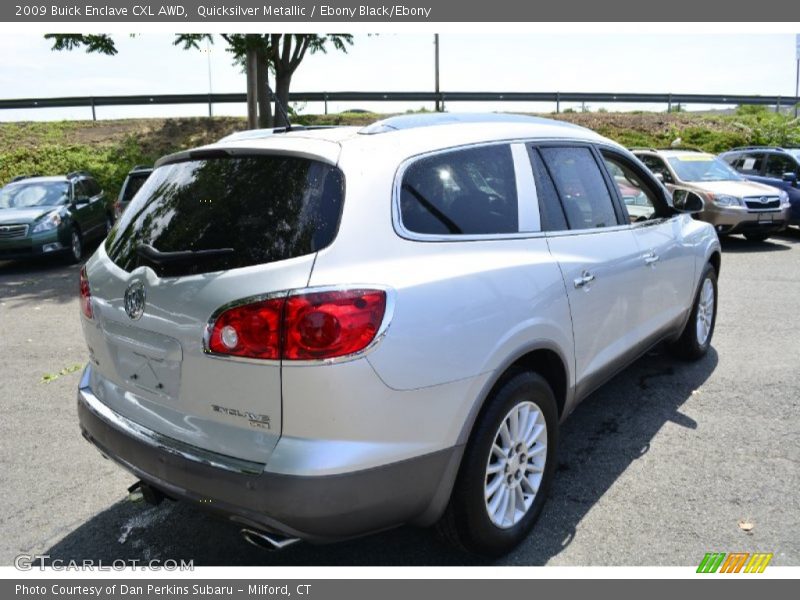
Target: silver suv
<point>325,333</point>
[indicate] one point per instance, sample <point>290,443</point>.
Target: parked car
<point>57,215</point>
<point>325,333</point>
<point>732,204</point>
<point>133,181</point>
<point>778,167</point>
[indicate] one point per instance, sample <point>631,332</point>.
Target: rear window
<point>462,192</point>
<point>243,211</point>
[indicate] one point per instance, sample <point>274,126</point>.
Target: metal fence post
<point>558,102</point>
<point>94,113</point>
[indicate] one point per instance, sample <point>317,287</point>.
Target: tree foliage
<point>279,53</point>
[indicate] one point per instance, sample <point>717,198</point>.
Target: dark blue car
<point>778,167</point>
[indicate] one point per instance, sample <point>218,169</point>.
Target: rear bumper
<point>316,508</point>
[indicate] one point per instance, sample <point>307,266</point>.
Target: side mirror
<point>790,177</point>
<point>659,176</point>
<point>687,202</point>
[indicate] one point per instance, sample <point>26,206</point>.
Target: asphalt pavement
<point>666,462</point>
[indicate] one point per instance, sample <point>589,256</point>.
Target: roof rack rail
<point>756,147</point>
<point>648,148</point>
<point>686,148</point>
<point>74,174</point>
<point>21,177</point>
<point>140,167</point>
<point>417,120</point>
<point>254,134</point>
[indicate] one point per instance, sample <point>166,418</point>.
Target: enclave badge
<point>134,300</point>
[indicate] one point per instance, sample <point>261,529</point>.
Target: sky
<point>148,63</point>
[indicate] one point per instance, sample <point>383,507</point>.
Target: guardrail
<point>441,97</point>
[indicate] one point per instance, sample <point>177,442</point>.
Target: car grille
<point>762,202</point>
<point>9,232</point>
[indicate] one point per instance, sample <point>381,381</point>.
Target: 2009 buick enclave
<point>322,333</point>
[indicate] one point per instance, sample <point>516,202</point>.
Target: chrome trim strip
<point>156,440</point>
<point>10,231</point>
<point>567,232</point>
<point>388,313</point>
<point>527,197</point>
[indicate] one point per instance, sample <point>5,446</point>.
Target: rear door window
<point>132,186</point>
<point>243,211</point>
<point>749,163</point>
<point>92,187</point>
<point>472,191</point>
<point>581,187</point>
<point>778,164</point>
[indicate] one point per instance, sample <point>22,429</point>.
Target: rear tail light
<point>117,209</point>
<point>252,330</point>
<point>86,295</point>
<point>310,326</point>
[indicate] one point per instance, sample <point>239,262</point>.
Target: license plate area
<point>145,361</point>
<point>159,376</point>
<point>765,218</point>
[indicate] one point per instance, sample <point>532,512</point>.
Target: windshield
<point>702,167</point>
<point>27,195</point>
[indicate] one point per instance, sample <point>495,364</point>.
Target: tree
<point>287,52</point>
<point>281,53</point>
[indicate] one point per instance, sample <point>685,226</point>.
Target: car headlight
<point>784,198</point>
<point>722,200</point>
<point>50,222</point>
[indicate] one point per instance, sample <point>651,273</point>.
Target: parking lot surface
<point>664,463</point>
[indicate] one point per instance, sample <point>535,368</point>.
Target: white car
<point>325,333</point>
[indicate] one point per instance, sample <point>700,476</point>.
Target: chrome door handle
<point>585,278</point>
<point>651,258</point>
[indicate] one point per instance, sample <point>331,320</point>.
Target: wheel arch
<point>543,358</point>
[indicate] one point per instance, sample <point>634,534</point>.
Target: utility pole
<point>436,63</point>
<point>797,73</point>
<point>797,80</point>
<point>208,57</point>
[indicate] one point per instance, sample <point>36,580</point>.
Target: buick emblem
<point>134,300</point>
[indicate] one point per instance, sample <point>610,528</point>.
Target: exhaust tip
<point>267,541</point>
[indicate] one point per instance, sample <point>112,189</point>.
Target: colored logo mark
<point>735,562</point>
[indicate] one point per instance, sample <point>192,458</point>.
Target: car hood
<point>736,188</point>
<point>23,215</point>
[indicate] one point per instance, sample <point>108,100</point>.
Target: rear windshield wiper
<point>146,251</point>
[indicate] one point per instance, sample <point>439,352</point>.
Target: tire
<point>75,252</point>
<point>696,337</point>
<point>468,522</point>
<point>756,237</point>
